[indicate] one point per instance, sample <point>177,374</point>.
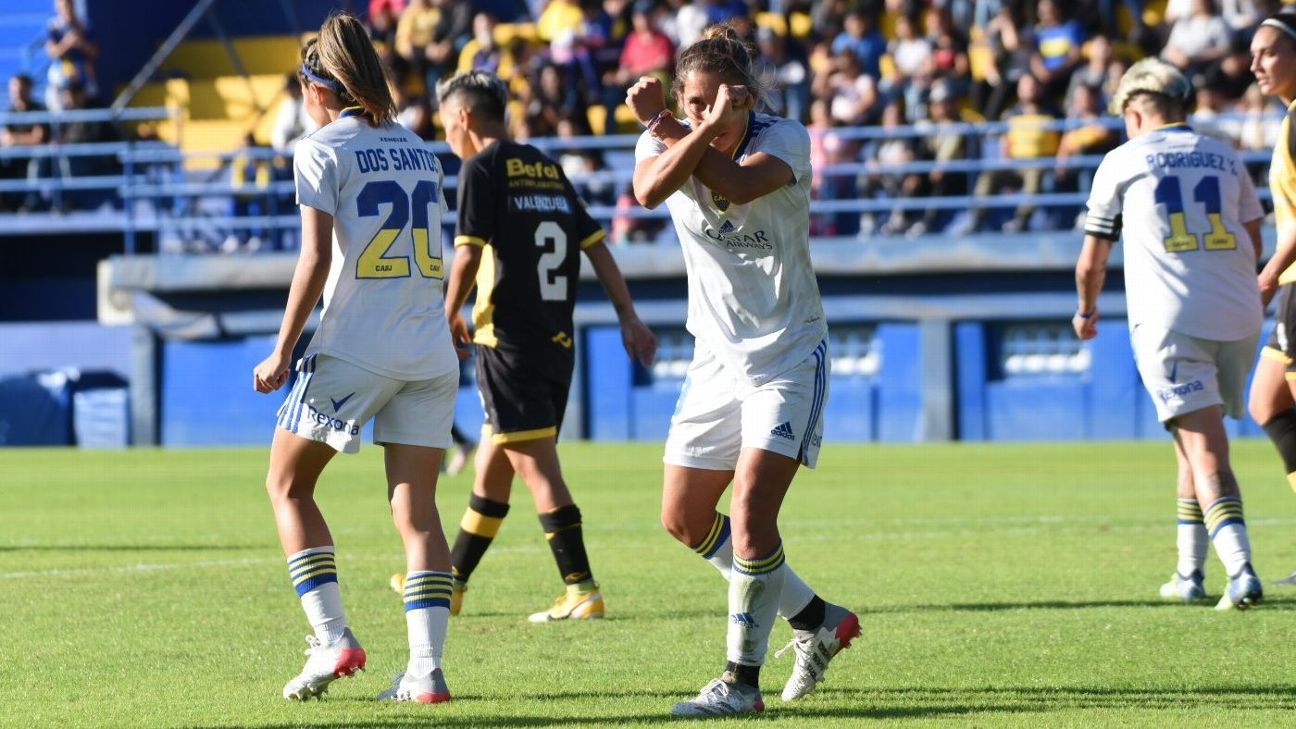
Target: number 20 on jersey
<point>406,209</point>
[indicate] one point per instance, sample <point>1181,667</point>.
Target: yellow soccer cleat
<point>573,605</point>
<point>457,589</point>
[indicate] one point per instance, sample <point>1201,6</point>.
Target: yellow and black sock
<point>1282,431</point>
<point>481,522</point>
<point>562,528</point>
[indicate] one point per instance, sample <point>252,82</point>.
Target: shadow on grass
<point>134,547</point>
<point>876,703</point>
<point>1270,603</point>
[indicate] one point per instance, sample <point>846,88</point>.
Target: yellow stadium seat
<point>506,33</point>
<point>597,117</point>
<point>774,21</point>
<point>277,54</point>
<point>802,25</point>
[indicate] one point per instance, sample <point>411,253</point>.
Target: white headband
<point>1280,26</point>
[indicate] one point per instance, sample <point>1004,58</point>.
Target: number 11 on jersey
<point>1207,194</point>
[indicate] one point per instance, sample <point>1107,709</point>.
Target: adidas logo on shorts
<point>783,430</point>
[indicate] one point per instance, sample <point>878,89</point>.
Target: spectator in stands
<point>1210,107</point>
<point>75,97</point>
<point>551,98</point>
<point>1232,75</point>
<point>910,53</point>
<point>828,147</point>
<point>1197,39</point>
<point>579,163</point>
<point>1087,134</point>
<point>647,52</point>
<point>949,48</point>
<point>786,75</point>
<point>1030,136</point>
<point>250,175</point>
<point>1098,55</point>
<point>942,142</point>
<point>853,93</point>
<point>685,22</point>
<point>1010,47</point>
<point>864,41</point>
<point>72,54</point>
<point>23,135</point>
<point>483,54</point>
<point>415,113</point>
<point>890,151</point>
<point>414,33</point>
<point>292,122</point>
<point>1057,47</point>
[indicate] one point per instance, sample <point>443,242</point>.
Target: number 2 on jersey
<point>373,261</point>
<point>1207,193</point>
<point>553,286</point>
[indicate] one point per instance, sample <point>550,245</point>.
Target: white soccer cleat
<point>1184,588</point>
<point>722,697</point>
<point>426,689</point>
<point>324,664</point>
<point>816,648</point>
<point>1244,591</point>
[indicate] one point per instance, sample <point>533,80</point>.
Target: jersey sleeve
<point>790,142</point>
<point>316,175</point>
<point>475,225</point>
<point>588,230</point>
<point>648,146</point>
<point>1105,200</point>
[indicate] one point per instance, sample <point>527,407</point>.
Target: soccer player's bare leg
<point>1192,541</point>
<point>536,463</point>
<point>295,467</point>
<point>1204,441</point>
<point>411,491</point>
<point>1273,406</point>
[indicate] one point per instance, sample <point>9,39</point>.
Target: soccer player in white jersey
<point>737,184</point>
<point>1188,213</point>
<point>371,204</point>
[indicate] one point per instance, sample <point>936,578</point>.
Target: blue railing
<point>187,211</point>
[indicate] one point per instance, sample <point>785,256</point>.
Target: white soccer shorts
<point>332,399</point>
<point>718,415</point>
<point>1184,374</point>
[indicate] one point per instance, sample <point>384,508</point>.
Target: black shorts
<point>522,402</point>
<point>1281,346</point>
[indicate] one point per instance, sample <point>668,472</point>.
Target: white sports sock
<point>1192,538</point>
<point>1229,533</point>
<point>796,593</point>
<point>427,616</point>
<point>754,590</point>
<point>314,576</point>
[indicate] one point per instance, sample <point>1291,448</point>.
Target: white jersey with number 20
<point>384,301</point>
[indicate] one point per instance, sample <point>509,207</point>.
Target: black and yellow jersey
<point>517,204</point>
<point>1282,183</point>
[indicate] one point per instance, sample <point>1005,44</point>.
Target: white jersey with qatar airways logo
<point>753,297</point>
<point>1181,200</point>
<point>384,304</point>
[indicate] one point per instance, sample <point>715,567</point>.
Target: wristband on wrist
<point>657,120</point>
<point>1086,314</point>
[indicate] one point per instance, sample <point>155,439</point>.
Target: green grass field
<point>998,585</point>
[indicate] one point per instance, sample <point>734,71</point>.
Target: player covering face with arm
<point>520,232</point>
<point>1190,219</point>
<point>1272,405</point>
<point>737,184</point>
<point>371,204</point>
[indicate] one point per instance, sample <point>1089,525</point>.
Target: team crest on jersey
<point>562,340</point>
<point>721,202</point>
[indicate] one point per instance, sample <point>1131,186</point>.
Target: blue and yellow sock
<point>427,616</point>
<point>314,576</point>
<point>1228,532</point>
<point>1192,538</point>
<point>717,549</point>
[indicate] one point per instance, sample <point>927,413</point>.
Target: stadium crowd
<point>837,63</point>
<point>1043,68</point>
